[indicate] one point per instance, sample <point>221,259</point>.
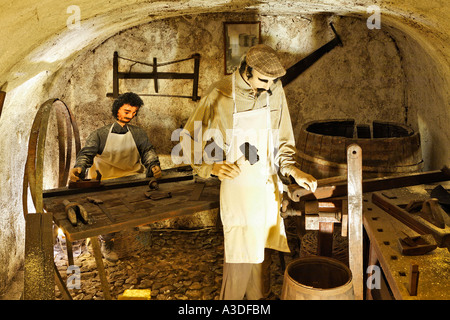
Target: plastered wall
<point>363,79</point>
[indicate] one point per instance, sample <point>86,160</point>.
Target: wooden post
<point>39,276</point>
<point>325,239</point>
<point>100,268</point>
<point>195,96</point>
<point>61,286</point>
<point>413,279</point>
<point>355,225</point>
<point>115,92</point>
<point>155,74</point>
<point>69,248</point>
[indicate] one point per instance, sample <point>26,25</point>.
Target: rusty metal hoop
<point>33,173</point>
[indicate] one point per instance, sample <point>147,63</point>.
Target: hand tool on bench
<point>86,183</point>
<point>157,195</point>
<point>153,184</point>
<point>74,211</point>
<point>416,245</point>
<point>102,207</point>
<point>413,221</point>
<point>412,243</point>
<point>442,195</point>
<point>153,193</point>
<point>432,212</point>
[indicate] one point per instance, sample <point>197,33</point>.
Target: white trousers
<point>250,280</point>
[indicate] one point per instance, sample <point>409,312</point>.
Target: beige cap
<point>265,60</point>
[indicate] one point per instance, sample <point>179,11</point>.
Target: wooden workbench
<point>384,231</point>
<point>128,205</point>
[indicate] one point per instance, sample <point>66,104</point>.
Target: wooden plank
<point>355,225</point>
<point>170,175</point>
<point>39,277</point>
<point>383,231</point>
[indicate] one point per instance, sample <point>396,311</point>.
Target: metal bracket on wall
<point>156,75</point>
<point>2,100</point>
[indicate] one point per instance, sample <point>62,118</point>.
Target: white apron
<point>119,158</point>
<point>249,204</point>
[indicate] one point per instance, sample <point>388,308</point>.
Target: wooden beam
<point>332,190</point>
<point>355,224</point>
<point>112,184</point>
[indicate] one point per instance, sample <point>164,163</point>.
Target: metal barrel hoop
<point>33,173</point>
<point>60,119</point>
<point>64,160</point>
<point>29,178</point>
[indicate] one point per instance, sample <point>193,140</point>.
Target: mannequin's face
<point>126,113</point>
<point>258,81</point>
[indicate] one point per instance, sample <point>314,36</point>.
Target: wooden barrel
<point>387,148</point>
<point>317,278</point>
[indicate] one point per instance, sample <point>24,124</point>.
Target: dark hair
<point>126,98</point>
<point>249,71</point>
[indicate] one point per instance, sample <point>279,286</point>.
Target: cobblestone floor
<point>174,264</point>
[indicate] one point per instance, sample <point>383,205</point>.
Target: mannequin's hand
<point>225,170</point>
<point>304,180</point>
<point>157,172</point>
<point>74,174</point>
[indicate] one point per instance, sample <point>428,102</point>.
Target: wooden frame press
<point>156,75</point>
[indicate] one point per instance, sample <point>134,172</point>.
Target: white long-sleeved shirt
<point>214,115</point>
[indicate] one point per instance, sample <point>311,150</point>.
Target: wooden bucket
<point>387,148</point>
<point>317,278</point>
